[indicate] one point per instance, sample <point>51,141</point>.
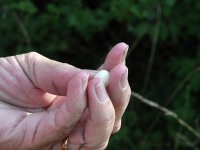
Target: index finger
<point>116,56</point>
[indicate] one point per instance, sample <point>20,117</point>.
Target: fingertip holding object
<point>104,75</point>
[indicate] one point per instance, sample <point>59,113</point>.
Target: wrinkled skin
<point>44,102</point>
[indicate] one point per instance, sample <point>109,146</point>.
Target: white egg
<point>104,75</point>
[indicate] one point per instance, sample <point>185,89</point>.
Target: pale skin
<point>44,102</point>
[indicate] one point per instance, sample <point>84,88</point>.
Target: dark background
<point>164,40</point>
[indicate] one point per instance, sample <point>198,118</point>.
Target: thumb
<point>46,74</point>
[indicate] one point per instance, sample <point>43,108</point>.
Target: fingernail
<point>85,82</point>
<point>125,53</point>
<point>124,79</point>
<point>101,91</point>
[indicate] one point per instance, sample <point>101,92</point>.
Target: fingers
<point>101,118</point>
<point>48,127</point>
<point>76,138</point>
<point>75,101</point>
<point>116,56</point>
<point>17,89</point>
<point>119,92</point>
<point>96,125</point>
<point>120,95</point>
<point>48,75</point>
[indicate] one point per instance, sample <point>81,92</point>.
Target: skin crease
<point>39,108</point>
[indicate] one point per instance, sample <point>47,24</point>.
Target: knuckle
<point>32,57</point>
<point>126,95</point>
<point>116,129</point>
<point>129,92</point>
<point>33,53</point>
<point>122,103</point>
<point>78,113</point>
<point>123,98</point>
<point>110,117</point>
<point>117,126</point>
<point>66,128</point>
<point>106,119</point>
<point>74,143</point>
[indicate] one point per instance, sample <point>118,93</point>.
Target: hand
<point>40,119</point>
<point>38,102</point>
<point>103,117</point>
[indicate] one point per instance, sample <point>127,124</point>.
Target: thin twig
<point>136,41</point>
<point>182,84</point>
<point>167,112</point>
<point>187,141</point>
<point>23,29</point>
<point>153,51</point>
<point>173,95</point>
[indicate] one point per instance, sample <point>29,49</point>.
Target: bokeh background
<point>163,59</point>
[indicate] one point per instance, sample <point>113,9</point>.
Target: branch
<point>167,112</point>
<point>153,50</point>
<point>23,29</point>
<point>174,94</point>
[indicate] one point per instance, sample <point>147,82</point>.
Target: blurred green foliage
<point>81,32</point>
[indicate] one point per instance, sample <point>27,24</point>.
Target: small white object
<point>104,75</point>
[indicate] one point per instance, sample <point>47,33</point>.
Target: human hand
<point>28,88</point>
<point>101,119</point>
<point>40,101</point>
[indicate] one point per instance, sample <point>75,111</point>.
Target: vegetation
<point>163,60</point>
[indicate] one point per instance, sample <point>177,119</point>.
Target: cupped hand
<point>42,102</point>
